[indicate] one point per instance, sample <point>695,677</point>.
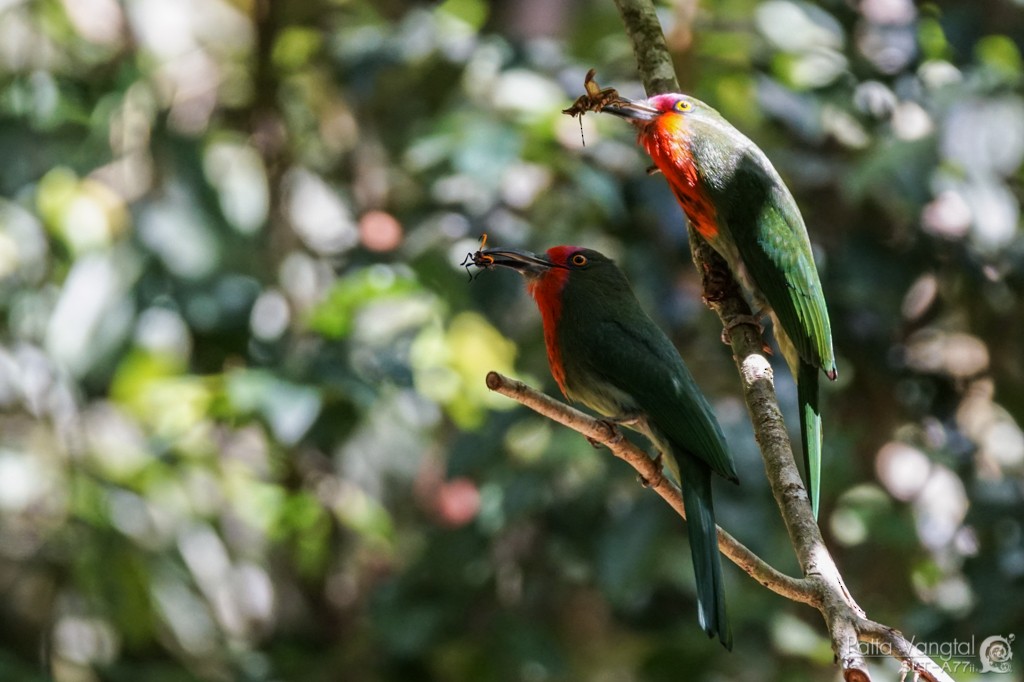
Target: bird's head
<point>670,112</point>
<point>547,274</point>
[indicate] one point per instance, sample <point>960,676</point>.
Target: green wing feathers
<point>762,219</point>
<point>640,359</point>
<point>781,264</point>
<point>622,364</point>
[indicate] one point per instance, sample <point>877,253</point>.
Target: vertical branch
<point>652,56</point>
<point>725,298</point>
<point>723,295</point>
<point>846,622</point>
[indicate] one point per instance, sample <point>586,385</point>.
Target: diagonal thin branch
<point>601,431</point>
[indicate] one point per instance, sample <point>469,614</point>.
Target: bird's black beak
<point>632,110</point>
<point>524,262</point>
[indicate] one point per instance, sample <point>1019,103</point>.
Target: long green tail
<point>707,564</point>
<point>810,430</point>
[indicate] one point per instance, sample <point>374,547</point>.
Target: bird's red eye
<point>579,259</point>
<point>683,105</point>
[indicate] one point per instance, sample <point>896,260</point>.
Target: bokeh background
<point>244,432</point>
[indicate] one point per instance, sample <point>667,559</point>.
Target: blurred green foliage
<point>244,433</point>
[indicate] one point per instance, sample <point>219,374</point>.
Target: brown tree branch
<point>652,56</point>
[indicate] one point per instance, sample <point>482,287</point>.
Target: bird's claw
<point>653,483</point>
<point>629,420</point>
<point>739,320</point>
<point>612,426</point>
<point>717,284</point>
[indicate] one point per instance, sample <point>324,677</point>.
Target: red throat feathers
<point>667,141</point>
<point>546,290</point>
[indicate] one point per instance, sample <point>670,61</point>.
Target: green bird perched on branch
<point>605,352</point>
<point>735,199</point>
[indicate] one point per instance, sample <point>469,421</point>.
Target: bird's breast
<point>598,395</point>
<point>669,148</point>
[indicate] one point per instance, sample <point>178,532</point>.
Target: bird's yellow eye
<point>683,105</point>
<point>579,259</point>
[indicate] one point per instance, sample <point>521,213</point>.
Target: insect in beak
<point>596,99</point>
<point>481,260</point>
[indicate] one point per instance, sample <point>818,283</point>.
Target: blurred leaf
<point>360,512</point>
<point>290,409</point>
<point>450,366</point>
<point>150,386</point>
<point>334,316</point>
<point>932,39</point>
<point>1001,54</point>
<point>304,518</point>
<point>295,47</point>
<point>473,12</point>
